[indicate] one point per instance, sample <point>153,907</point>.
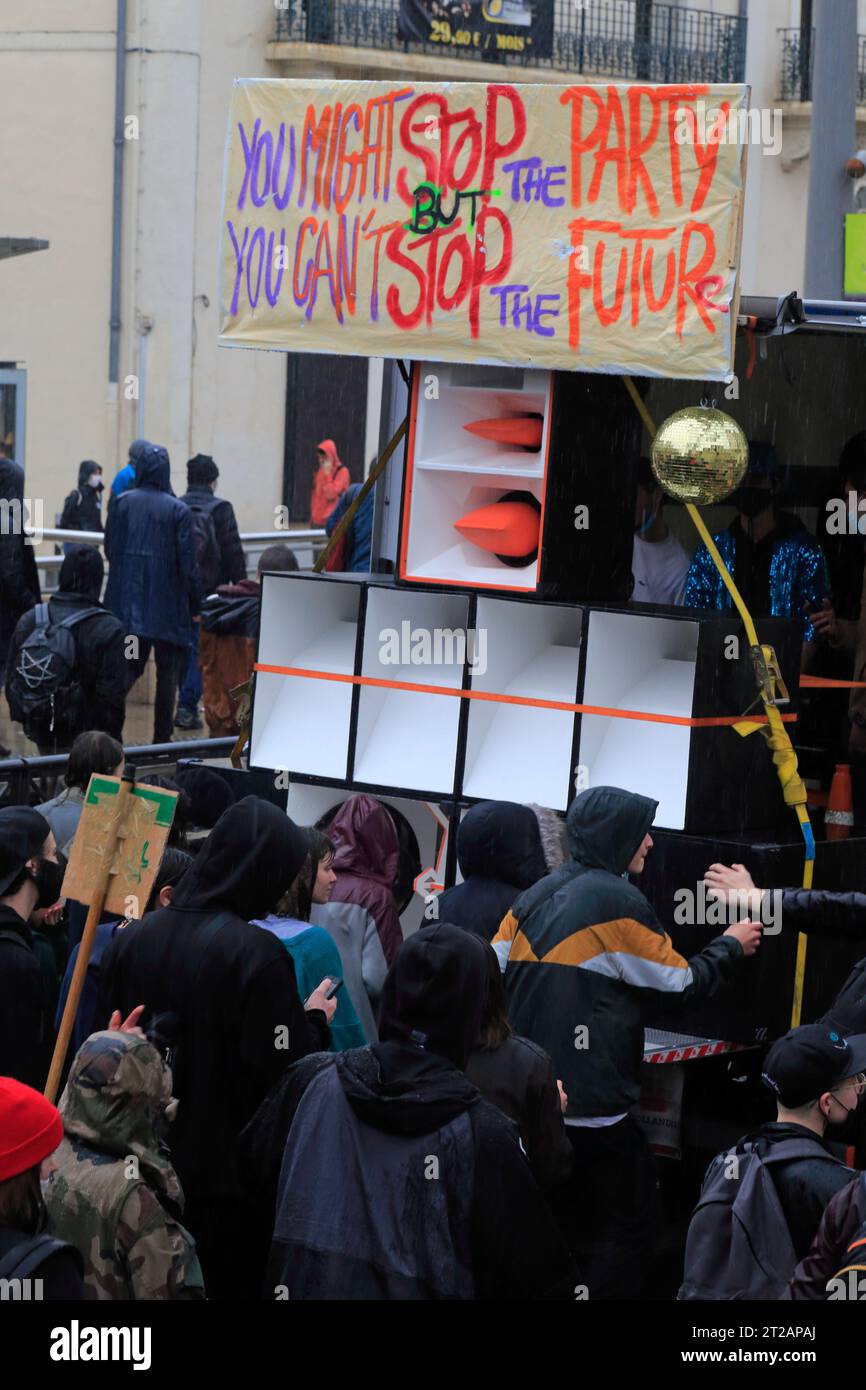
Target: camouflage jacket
<point>115,1194</point>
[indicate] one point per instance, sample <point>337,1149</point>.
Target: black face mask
<point>48,879</point>
<point>751,501</point>
<point>844,1131</point>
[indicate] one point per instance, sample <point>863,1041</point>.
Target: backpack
<point>31,1252</point>
<point>738,1244</point>
<point>44,691</point>
<point>207,550</point>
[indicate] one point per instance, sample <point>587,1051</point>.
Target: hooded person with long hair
<point>361,912</point>
<point>82,509</point>
<point>312,950</point>
<point>222,994</point>
<point>394,1179</point>
<point>518,1077</point>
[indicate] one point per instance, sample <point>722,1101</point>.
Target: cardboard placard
<point>147,824</point>
<point>591,228</point>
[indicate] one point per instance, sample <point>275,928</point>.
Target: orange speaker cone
<point>523,430</point>
<point>503,528</point>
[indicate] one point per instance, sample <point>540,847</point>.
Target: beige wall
<point>57,116</point>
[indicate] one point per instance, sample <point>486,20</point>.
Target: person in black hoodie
<point>99,675</point>
<point>82,509</point>
<point>502,849</point>
<point>394,1179</point>
<point>515,1075</point>
<point>222,995</point>
<point>586,953</point>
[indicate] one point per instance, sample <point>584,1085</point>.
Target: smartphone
<point>335,985</point>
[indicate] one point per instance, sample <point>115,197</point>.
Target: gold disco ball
<point>699,455</point>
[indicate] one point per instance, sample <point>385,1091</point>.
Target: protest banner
<point>112,866</point>
<point>591,228</point>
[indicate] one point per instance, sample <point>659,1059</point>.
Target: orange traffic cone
<point>839,816</point>
<point>508,529</point>
<point>525,430</point>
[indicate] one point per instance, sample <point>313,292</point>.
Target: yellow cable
<point>774,731</point>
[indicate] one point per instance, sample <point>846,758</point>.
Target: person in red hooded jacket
<point>361,915</point>
<point>329,484</point>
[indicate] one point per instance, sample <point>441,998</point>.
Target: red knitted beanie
<point>30,1128</point>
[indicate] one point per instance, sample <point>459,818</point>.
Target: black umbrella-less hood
<point>250,858</point>
<point>153,469</point>
<point>82,572</point>
<point>606,827</point>
<point>436,991</point>
<point>501,840</point>
<point>433,1000</point>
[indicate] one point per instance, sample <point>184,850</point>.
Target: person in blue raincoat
<point>153,581</point>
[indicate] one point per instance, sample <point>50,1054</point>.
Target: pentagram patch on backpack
<point>44,691</point>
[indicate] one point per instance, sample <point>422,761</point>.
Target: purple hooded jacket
<point>362,915</point>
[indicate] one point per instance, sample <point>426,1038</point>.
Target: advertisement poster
<point>483,28</point>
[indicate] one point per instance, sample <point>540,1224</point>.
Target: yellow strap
<point>774,731</point>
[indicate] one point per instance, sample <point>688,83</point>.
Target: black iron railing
<point>642,39</point>
<point>796,62</point>
<point>29,781</point>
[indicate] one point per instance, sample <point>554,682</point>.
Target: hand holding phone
<point>322,997</point>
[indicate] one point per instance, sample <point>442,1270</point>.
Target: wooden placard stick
<point>100,892</point>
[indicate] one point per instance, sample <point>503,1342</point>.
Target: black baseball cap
<point>810,1060</point>
<point>23,832</point>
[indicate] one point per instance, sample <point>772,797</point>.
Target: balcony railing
<point>797,58</point>
<point>640,39</point>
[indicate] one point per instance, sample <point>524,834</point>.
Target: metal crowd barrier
<point>305,543</point>
<point>28,781</point>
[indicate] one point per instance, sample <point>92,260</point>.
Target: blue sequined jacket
<point>798,574</point>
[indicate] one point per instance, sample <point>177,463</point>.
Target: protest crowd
<point>269,1093</point>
